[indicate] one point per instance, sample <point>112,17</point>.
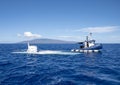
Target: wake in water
<point>32,49</point>
<point>44,52</point>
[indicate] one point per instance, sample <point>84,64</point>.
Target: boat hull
<point>95,48</point>
<point>85,51</point>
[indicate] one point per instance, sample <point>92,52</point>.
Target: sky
<point>69,20</point>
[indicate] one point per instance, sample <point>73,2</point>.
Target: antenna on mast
<point>90,36</point>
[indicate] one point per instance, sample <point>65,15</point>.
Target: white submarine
<point>32,48</point>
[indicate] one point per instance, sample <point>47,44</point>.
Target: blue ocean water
<point>56,69</point>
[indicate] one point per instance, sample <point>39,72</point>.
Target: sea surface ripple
<point>55,69</point>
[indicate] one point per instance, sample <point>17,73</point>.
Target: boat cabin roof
<point>90,41</point>
<point>86,41</point>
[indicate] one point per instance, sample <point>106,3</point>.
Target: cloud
<point>31,35</point>
<point>99,29</point>
<point>65,36</point>
<point>69,37</point>
<point>19,35</point>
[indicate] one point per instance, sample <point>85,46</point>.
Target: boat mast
<point>87,38</point>
<point>28,44</point>
<point>87,45</point>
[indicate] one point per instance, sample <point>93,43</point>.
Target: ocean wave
<point>48,52</point>
<point>4,63</point>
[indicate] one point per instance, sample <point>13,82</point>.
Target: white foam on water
<point>44,52</point>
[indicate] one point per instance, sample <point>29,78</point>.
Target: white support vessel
<point>88,45</point>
